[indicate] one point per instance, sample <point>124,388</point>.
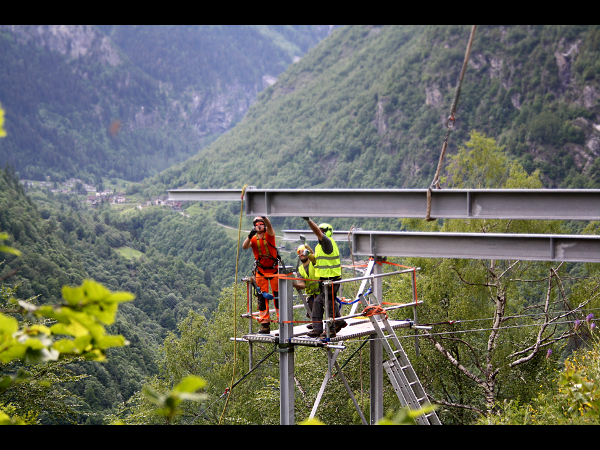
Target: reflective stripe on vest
<point>312,287</point>
<point>263,247</point>
<point>328,265</point>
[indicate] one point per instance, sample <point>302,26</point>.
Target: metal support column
<point>328,375</point>
<point>286,352</point>
<point>328,314</point>
<point>376,363</point>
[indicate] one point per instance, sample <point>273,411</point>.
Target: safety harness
<point>264,254</point>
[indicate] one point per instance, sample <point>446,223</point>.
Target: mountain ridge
<point>367,107</point>
<point>80,102</point>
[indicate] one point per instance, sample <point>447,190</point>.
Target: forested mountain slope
<point>172,263</point>
<point>367,107</point>
<point>127,102</point>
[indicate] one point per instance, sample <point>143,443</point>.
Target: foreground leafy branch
<point>49,333</point>
<point>80,320</point>
<point>168,405</point>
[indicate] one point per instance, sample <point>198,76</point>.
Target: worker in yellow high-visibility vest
<point>309,283</point>
<point>328,267</point>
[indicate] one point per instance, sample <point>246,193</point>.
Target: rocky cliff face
<point>567,89</point>
<point>74,41</point>
<point>216,115</point>
<point>207,114</point>
<point>84,99</point>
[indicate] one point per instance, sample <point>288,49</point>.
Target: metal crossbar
<point>529,204</point>
<point>528,247</point>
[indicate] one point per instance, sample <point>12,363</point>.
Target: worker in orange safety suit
<point>262,240</point>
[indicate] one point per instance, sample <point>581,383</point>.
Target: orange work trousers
<point>263,282</point>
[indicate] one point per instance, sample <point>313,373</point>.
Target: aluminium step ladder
<point>408,388</point>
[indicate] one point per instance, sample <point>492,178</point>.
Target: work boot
<point>339,324</point>
<point>331,334</point>
<point>315,333</point>
<point>265,328</point>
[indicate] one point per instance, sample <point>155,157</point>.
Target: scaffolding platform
<point>357,327</point>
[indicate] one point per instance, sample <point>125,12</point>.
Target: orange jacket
<point>265,252</point>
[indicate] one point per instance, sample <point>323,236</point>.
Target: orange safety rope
<point>414,269</point>
<point>346,266</point>
<point>394,264</point>
<point>370,310</point>
<point>255,315</point>
<point>373,310</point>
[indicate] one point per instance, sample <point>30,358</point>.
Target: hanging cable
<point>449,125</point>
<point>557,314</point>
<point>477,330</point>
<point>237,260</point>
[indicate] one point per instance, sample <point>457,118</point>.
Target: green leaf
<point>95,291</point>
<point>74,329</point>
<point>190,384</point>
<point>83,343</point>
<point>8,325</point>
<point>95,355</point>
<point>12,251</point>
<point>152,396</point>
<point>111,341</point>
<point>5,419</point>
<point>73,295</point>
<point>120,297</point>
<point>65,346</point>
<point>14,351</point>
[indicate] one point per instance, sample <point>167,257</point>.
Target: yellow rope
<point>237,260</point>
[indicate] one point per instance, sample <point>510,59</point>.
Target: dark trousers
<point>318,306</point>
<point>310,300</point>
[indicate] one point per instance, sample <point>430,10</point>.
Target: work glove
<point>252,233</point>
<point>306,218</point>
